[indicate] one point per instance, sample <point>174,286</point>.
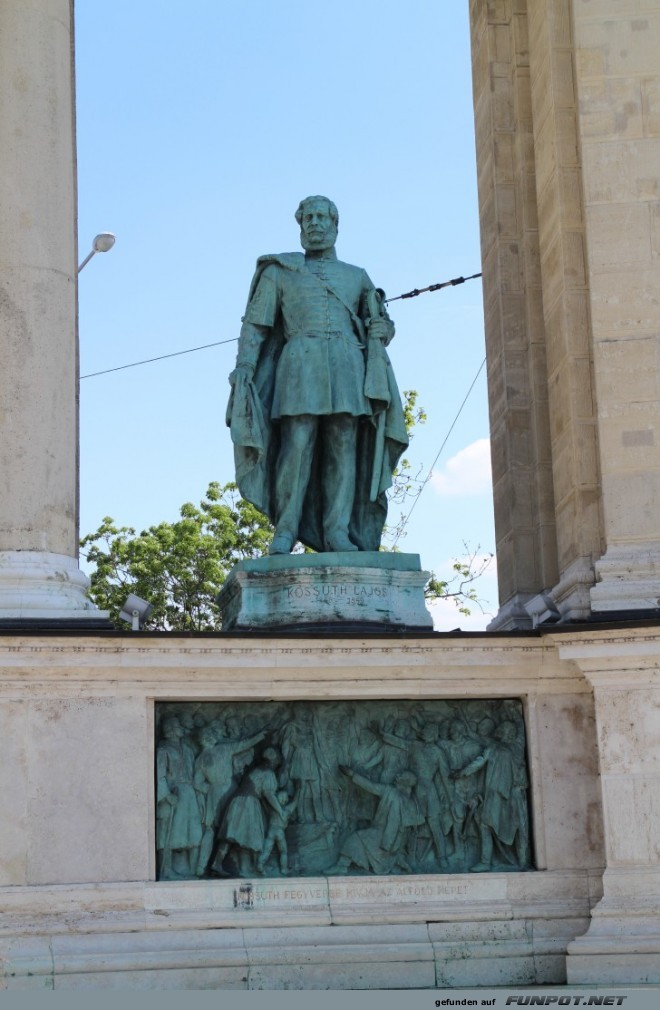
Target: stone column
<point>513,308</point>
<point>566,310</point>
<point>39,575</point>
<point>623,940</point>
<point>618,85</point>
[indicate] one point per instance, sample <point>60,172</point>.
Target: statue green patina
<point>251,789</point>
<point>315,413</point>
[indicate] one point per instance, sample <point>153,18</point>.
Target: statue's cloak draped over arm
<point>256,439</point>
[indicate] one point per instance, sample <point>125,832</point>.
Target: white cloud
<point>466,473</point>
<point>447,617</point>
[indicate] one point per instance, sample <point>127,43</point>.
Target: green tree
<point>178,567</point>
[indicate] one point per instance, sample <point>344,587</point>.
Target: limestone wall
<point>618,86</point>
<point>77,859</point>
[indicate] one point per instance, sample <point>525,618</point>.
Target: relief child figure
<point>275,836</point>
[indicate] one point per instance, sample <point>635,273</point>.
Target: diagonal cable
<point>161,357</point>
<point>428,476</point>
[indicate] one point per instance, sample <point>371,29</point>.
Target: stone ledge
<point>299,901</point>
<point>167,949</point>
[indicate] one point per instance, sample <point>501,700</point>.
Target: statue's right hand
<point>247,371</point>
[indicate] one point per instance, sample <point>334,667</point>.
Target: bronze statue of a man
<point>315,413</point>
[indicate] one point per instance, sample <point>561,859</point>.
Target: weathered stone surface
<point>365,589</point>
<point>623,939</point>
<point>566,96</point>
<point>95,818</point>
<point>354,933</point>
<point>39,575</point>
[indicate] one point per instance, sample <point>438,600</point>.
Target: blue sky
<point>199,130</point>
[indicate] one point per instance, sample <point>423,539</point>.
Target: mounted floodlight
<point>135,611</point>
<point>542,610</point>
<point>103,242</point>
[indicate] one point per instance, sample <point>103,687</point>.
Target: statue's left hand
<point>379,329</point>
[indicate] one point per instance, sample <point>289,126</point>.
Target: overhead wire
<point>161,357</point>
<point>405,522</point>
<point>231,340</point>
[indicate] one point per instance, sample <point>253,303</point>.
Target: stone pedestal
<point>81,907</point>
<point>39,577</point>
<point>362,590</point>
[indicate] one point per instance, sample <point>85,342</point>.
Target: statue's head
<point>186,718</point>
<point>319,220</point>
<point>486,726</point>
<point>303,714</point>
<point>406,780</point>
<point>271,757</point>
<point>172,728</point>
<point>232,727</point>
<point>506,732</point>
<point>457,731</point>
<point>430,731</point>
<point>207,737</point>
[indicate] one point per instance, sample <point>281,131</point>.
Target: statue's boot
<point>282,542</point>
<point>341,866</point>
<point>339,540</point>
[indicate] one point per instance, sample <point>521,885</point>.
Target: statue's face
<point>207,737</point>
<point>172,730</point>
<point>457,732</point>
<point>506,732</point>
<point>317,229</point>
<point>232,727</point>
<point>430,732</point>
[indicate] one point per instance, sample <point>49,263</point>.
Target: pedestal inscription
<point>369,589</point>
<point>255,789</point>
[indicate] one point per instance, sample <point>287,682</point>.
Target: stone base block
<point>38,587</point>
<point>629,579</point>
<point>571,594</point>
<point>425,932</point>
<point>622,944</point>
<point>366,590</point>
<point>512,615</point>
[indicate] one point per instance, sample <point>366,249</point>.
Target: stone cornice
<point>257,667</point>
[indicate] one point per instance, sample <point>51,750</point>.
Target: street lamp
<point>102,243</point>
